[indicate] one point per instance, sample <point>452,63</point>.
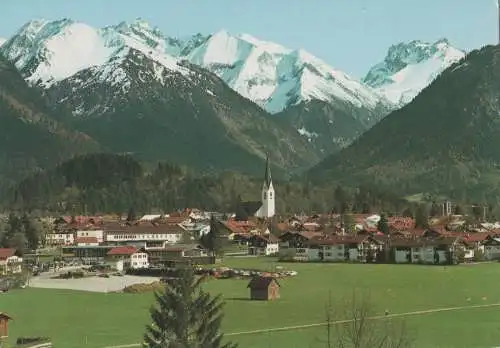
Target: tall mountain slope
<point>326,106</point>
<point>410,67</point>
<point>2,40</point>
<point>276,77</point>
<point>30,137</point>
<point>129,93</point>
<point>446,140</point>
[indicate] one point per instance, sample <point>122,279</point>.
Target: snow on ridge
<point>273,76</point>
<point>75,48</point>
<point>2,41</point>
<point>60,49</point>
<point>410,67</point>
<point>276,77</point>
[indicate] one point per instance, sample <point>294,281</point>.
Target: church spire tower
<point>267,209</point>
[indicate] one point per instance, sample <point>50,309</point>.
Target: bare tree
<point>362,328</point>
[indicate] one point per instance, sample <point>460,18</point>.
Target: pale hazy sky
<point>350,35</point>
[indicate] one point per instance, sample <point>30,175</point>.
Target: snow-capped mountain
<point>2,40</point>
<point>272,76</point>
<point>130,88</point>
<point>410,67</point>
<point>276,77</point>
<point>48,52</point>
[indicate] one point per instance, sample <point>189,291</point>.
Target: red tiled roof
<point>174,220</point>
<point>6,253</point>
<point>83,220</point>
<point>239,226</point>
<point>86,240</point>
<point>400,223</point>
<point>476,237</point>
<point>122,250</point>
<point>311,234</point>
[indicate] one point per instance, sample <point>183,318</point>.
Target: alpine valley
<point>210,102</point>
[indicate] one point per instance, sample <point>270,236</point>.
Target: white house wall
<point>158,237</point>
<point>492,252</point>
<point>401,255</point>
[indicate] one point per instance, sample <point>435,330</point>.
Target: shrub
<point>141,288</point>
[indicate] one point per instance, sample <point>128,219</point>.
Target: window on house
<point>270,195</point>
<point>265,195</point>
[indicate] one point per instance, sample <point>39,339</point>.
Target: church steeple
<point>267,174</point>
<point>268,206</point>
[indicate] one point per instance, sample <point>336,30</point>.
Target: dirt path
<point>306,326</point>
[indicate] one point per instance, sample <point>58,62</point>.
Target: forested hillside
<point>100,183</point>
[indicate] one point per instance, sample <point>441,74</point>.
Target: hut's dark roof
<point>261,282</point>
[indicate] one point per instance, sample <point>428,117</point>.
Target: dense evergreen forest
<point>107,183</point>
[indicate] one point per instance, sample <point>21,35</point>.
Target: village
<point>155,240</point>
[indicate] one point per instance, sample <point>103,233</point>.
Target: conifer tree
<point>185,316</point>
<point>383,225</point>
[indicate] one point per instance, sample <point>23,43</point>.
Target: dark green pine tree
<point>31,232</point>
<point>214,241</point>
<point>185,316</point>
<point>421,217</point>
<point>383,225</point>
<point>131,215</point>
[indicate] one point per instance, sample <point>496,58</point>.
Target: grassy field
<point>79,319</point>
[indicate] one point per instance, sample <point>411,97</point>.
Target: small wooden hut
<point>4,322</point>
<point>264,288</point>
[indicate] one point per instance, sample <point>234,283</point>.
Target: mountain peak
<point>140,22</point>
<point>409,67</point>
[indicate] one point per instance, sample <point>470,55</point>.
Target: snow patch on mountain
<point>410,67</point>
<point>49,52</point>
<point>2,41</point>
<point>276,77</point>
<point>309,135</point>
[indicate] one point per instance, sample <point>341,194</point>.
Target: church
<point>265,208</point>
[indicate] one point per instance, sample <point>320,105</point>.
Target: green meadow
<point>82,319</point>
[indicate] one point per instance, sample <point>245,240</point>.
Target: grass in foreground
<point>79,319</point>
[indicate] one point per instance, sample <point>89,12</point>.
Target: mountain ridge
<point>443,142</point>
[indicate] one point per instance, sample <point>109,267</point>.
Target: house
<point>87,241</point>
<point>9,262</point>
<point>4,323</point>
<point>145,233</point>
<point>86,254</point>
<point>128,257</point>
<point>492,248</point>
<point>59,238</point>
<point>265,208</point>
<point>353,248</point>
<point>177,252</point>
<point>263,245</point>
<point>97,234</point>
<point>294,245</point>
<point>264,288</point>
<point>440,250</point>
